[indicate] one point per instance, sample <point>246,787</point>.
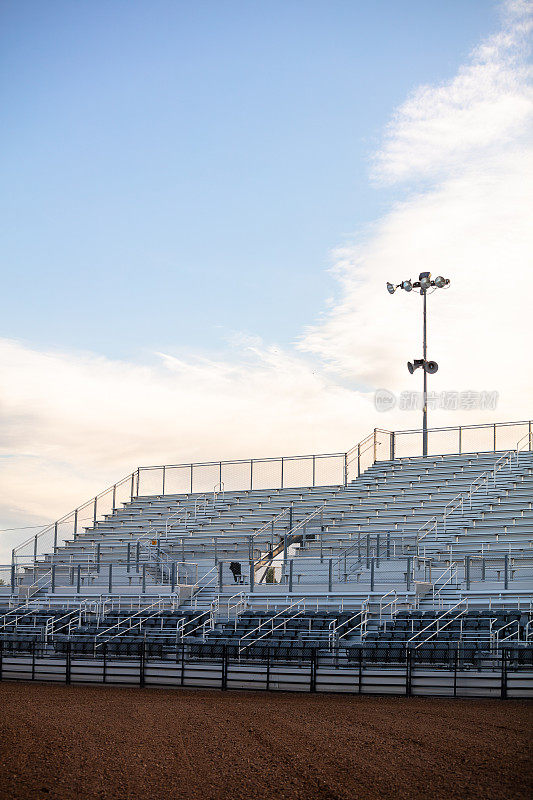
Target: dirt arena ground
<point>62,742</point>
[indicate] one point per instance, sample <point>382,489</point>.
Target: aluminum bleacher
<point>361,554</point>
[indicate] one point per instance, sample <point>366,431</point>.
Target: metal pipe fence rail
<point>450,672</point>
<point>372,562</point>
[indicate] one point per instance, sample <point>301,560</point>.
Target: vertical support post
<point>321,546</point>
<point>250,548</point>
<point>252,575</point>
<point>173,577</point>
<point>372,571</point>
<point>290,516</point>
<point>455,661</point>
<point>425,398</point>
<point>33,660</point>
<point>503,689</point>
<point>330,574</point>
<point>182,550</point>
<point>104,662</point>
<point>314,471</point>
<point>251,474</point>
<point>76,514</point>
<point>224,675</point>
<point>132,485</point>
<point>506,571</point>
<point>282,462</point>
<point>367,550</point>
<point>110,582</point>
<point>388,546</point>
<point>53,582</point>
<point>137,556</point>
<point>345,469</point>
<point>68,663</point>
<point>494,437</point>
<point>377,550</point>
<point>215,539</point>
<point>55,535</point>
<point>408,573</point>
<point>483,568</point>
<point>460,440</point>
<point>128,558</point>
<point>34,549</point>
<point>267,687</point>
<point>220,475</point>
<point>163,481</point>
<point>113,502</point>
<point>220,575</point>
<point>359,546</point>
<point>467,572</point>
<point>291,564</point>
<point>408,671</point>
<point>94,510</point>
<point>98,557</point>
<point>392,445</point>
<point>312,676</point>
<point>144,579</point>
<point>142,657</point>
<point>13,579</point>
<point>192,483</point>
<point>78,580</point>
<point>358,460</point>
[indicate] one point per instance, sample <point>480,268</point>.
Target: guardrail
<point>363,670</point>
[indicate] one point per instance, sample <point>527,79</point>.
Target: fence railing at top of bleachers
<point>269,473</point>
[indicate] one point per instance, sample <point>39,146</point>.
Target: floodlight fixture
<point>423,283</point>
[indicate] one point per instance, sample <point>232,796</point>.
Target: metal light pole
<point>423,283</point>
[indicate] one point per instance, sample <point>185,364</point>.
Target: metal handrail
<point>437,621</point>
<point>459,500</point>
<point>271,619</point>
<point>389,604</point>
<point>497,634</point>
<point>361,626</point>
<point>124,621</point>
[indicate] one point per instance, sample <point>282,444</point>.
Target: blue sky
<point>176,171</point>
<point>202,203</point>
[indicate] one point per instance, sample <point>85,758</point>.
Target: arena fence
<point>449,672</point>
<point>284,472</point>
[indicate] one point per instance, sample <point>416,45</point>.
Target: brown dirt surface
<point>97,743</point>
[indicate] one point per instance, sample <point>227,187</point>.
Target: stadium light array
<point>424,283</point>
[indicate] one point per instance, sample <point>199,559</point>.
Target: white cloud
<point>73,423</point>
<point>485,107</point>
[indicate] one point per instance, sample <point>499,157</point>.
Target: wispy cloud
<point>72,423</point>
